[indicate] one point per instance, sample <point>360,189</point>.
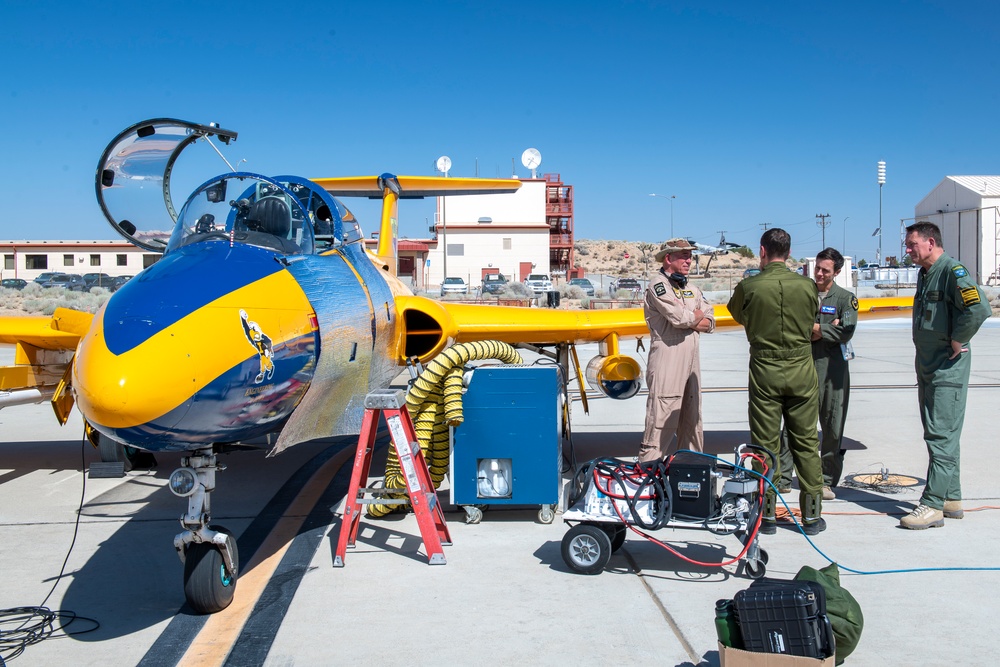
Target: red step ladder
<point>392,404</point>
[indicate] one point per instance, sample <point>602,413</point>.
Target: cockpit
<point>252,209</point>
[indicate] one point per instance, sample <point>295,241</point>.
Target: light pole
<point>443,164</point>
<point>844,249</point>
<point>671,199</point>
<point>881,182</point>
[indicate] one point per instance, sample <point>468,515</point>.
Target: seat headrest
<point>272,216</point>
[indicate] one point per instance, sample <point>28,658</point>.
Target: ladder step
<point>381,490</point>
<point>383,501</point>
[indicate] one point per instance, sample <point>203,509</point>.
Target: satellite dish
<point>444,164</point>
<point>531,158</point>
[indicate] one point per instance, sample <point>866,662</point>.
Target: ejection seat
<point>270,215</point>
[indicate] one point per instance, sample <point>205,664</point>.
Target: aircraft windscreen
<point>252,209</point>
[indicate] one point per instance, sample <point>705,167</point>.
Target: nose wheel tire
<point>209,586</point>
<point>586,549</point>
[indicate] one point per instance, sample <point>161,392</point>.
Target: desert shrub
<point>571,291</point>
<point>744,251</point>
<point>582,250</point>
<point>611,245</point>
<point>517,291</point>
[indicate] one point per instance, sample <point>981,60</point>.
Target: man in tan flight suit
<point>677,315</point>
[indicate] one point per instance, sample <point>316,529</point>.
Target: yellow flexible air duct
<point>435,403</point>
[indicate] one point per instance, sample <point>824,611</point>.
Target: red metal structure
<point>559,217</point>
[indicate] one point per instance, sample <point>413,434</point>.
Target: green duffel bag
<point>842,609</point>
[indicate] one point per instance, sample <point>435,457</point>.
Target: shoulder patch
<point>660,289</point>
<point>970,296</point>
<point>959,271</point>
<point>688,294</point>
<point>677,291</point>
<point>854,302</point>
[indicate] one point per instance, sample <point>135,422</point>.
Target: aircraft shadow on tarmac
<point>133,579</point>
<point>56,456</point>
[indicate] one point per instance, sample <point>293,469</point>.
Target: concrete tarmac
<point>505,595</point>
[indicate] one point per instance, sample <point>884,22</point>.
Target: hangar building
<point>966,210</point>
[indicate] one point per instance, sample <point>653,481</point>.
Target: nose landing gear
<point>209,552</point>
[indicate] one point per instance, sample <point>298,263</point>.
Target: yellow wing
<point>427,327</point>
<point>393,188</point>
<point>43,356</point>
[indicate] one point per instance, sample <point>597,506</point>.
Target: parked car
<point>494,283</point>
<point>70,281</point>
<point>97,280</point>
<point>538,283</point>
<point>628,284</point>
<point>13,283</point>
<point>43,278</point>
<point>454,286</point>
<point>117,282</point>
<point>584,284</point>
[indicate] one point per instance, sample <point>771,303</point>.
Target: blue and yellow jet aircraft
<point>265,317</point>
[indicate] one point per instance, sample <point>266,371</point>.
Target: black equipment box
<point>692,490</point>
<point>777,616</point>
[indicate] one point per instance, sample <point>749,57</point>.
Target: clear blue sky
<point>747,112</point>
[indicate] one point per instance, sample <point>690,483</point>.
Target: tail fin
<point>393,188</point>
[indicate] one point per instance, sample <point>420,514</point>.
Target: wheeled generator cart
<point>613,497</point>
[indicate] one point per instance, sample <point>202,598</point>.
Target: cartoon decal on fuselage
<point>260,342</point>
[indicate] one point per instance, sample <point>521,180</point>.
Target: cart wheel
<point>586,549</point>
<point>756,569</point>
<point>616,533</point>
<point>546,515</point>
<point>473,514</point>
<point>763,556</point>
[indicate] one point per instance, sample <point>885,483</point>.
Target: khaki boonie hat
<point>673,245</point>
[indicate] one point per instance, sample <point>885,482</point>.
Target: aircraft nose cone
<point>186,352</point>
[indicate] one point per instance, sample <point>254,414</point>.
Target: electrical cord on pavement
<point>852,570</point>
<point>20,627</point>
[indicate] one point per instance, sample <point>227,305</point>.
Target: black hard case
<point>778,616</point>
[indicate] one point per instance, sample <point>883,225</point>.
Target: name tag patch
<point>688,294</point>
<point>934,295</point>
<point>829,310</point>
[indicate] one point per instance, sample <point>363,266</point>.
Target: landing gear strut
<point>211,560</point>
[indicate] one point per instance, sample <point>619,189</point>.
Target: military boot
<point>953,509</point>
<point>923,517</point>
<point>812,508</point>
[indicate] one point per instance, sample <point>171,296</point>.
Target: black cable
<point>20,627</point>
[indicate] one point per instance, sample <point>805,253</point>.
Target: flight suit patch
<point>854,302</point>
<point>829,310</point>
<point>688,294</point>
<point>934,295</point>
<point>970,296</point>
<point>677,291</point>
<point>959,271</point>
<point>660,289</point>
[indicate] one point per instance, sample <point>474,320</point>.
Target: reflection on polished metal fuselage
<point>171,364</point>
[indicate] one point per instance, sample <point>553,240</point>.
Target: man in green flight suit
<point>777,308</point>
<point>948,309</point>
<point>833,330</point>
